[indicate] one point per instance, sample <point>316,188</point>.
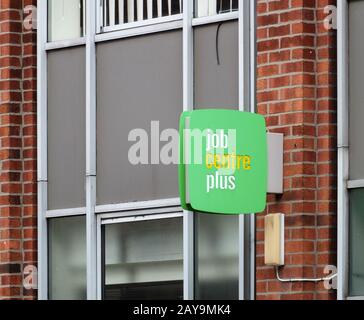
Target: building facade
<point>79,220</point>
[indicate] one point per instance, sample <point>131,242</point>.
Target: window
<point>212,7</point>
<point>117,12</point>
<point>216,257</point>
<point>356,241</point>
<point>65,19</point>
<point>67,258</point>
<point>143,259</point>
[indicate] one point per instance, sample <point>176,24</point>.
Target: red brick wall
<point>17,149</point>
<point>296,93</point>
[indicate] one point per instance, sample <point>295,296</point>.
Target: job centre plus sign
<point>223,161</point>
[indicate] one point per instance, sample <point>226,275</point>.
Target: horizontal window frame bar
<point>139,212</point>
<point>172,204</point>
<point>221,17</point>
<point>355,184</point>
<point>140,31</point>
<point>140,218</point>
<point>138,205</point>
<point>355,298</point>
<point>63,213</point>
<point>142,23</point>
<point>55,45</point>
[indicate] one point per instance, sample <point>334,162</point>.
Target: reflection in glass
<point>67,258</point>
<point>216,257</point>
<point>65,19</point>
<point>143,260</point>
<point>356,257</point>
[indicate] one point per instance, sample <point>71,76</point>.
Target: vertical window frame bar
<point>188,104</point>
<point>247,102</point>
<point>91,219</point>
<point>42,149</point>
<point>343,150</point>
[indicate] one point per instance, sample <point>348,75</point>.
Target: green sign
<point>223,162</point>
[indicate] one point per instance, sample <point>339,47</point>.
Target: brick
<point>17,140</point>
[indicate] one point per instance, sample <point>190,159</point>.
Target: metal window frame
<point>42,169</point>
<point>95,213</point>
<point>247,102</point>
<point>65,43</point>
<point>343,150</point>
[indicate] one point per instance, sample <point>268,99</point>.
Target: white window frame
<point>344,184</point>
<point>94,213</point>
<point>134,24</point>
<point>167,20</point>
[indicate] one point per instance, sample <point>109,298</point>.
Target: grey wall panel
<point>139,81</point>
<point>66,128</point>
<point>356,92</point>
<point>216,85</point>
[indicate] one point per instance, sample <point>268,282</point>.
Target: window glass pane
<point>66,93</point>
<point>205,8</point>
<point>65,19</point>
<point>67,258</point>
<point>356,92</point>
<point>151,64</point>
<point>356,257</point>
<point>217,257</point>
<point>144,260</point>
<point>116,12</point>
<point>216,71</point>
